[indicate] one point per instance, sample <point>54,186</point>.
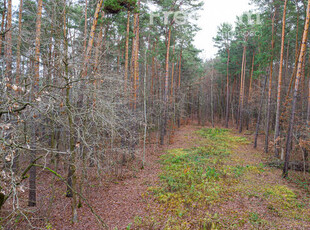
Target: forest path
<point>120,200</point>
<point>212,178</point>
<point>123,202</point>
<point>205,179</point>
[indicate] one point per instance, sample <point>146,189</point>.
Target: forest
<point>111,119</point>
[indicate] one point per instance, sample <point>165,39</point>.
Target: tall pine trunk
<point>277,126</point>
<point>270,88</point>
<point>260,112</point>
<point>126,53</point>
<point>308,108</point>
<point>242,81</point>
<point>8,39</point>
<point>298,77</point>
<point>2,25</point>
<point>33,172</point>
<point>19,41</point>
<point>87,53</point>
<point>227,89</point>
<point>166,89</point>
<point>136,61</point>
<point>179,87</point>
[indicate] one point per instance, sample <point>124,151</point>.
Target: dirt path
<point>249,196</point>
<point>123,201</point>
<point>120,201</point>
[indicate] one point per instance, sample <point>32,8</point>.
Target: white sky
<point>214,13</point>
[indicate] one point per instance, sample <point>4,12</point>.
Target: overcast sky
<point>214,13</point>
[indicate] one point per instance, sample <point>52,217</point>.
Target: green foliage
<point>48,226</point>
<point>212,174</point>
<point>255,219</point>
<point>239,170</point>
<point>128,226</point>
<point>281,196</point>
<point>115,6</point>
<point>195,177</point>
<point>222,137</point>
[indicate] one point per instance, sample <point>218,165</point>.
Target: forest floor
<point>207,178</point>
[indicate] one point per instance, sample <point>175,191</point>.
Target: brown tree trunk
<point>251,77</point>
<point>212,103</point>
<point>298,77</point>
<point>133,55</point>
<point>32,173</point>
<point>19,41</point>
<point>250,91</point>
<point>87,53</point>
<point>91,38</point>
<point>277,126</point>
<point>136,62</point>
<point>227,89</point>
<point>242,81</point>
<point>85,27</point>
<point>8,39</point>
<point>180,65</point>
<point>126,52</point>
<point>297,32</point>
<point>153,70</point>
<point>38,42</point>
<point>172,74</point>
<point>179,86</point>
<point>308,108</point>
<point>98,47</point>
<point>2,25</point>
<point>270,88</point>
<point>166,89</point>
<point>71,180</point>
<point>292,77</point>
<point>260,112</point>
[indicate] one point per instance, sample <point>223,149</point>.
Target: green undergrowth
<point>191,180</point>
<point>197,180</point>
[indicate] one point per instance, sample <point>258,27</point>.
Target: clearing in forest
<point>215,180</point>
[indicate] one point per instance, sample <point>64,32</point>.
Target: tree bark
<point>308,108</point>
<point>277,126</point>
<point>166,89</point>
<point>227,89</point>
<point>126,52</point>
<point>260,112</point>
<point>179,86</point>
<point>295,95</point>
<point>2,25</point>
<point>270,88</point>
<point>85,27</point>
<point>32,173</point>
<point>19,41</point>
<point>242,81</point>
<point>91,38</point>
<point>8,39</point>
<point>212,103</point>
<point>136,61</point>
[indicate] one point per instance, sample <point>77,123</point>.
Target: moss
<point>193,178</point>
<point>197,178</point>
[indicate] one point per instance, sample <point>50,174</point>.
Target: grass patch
<point>222,137</point>
<point>195,180</point>
<point>192,179</point>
